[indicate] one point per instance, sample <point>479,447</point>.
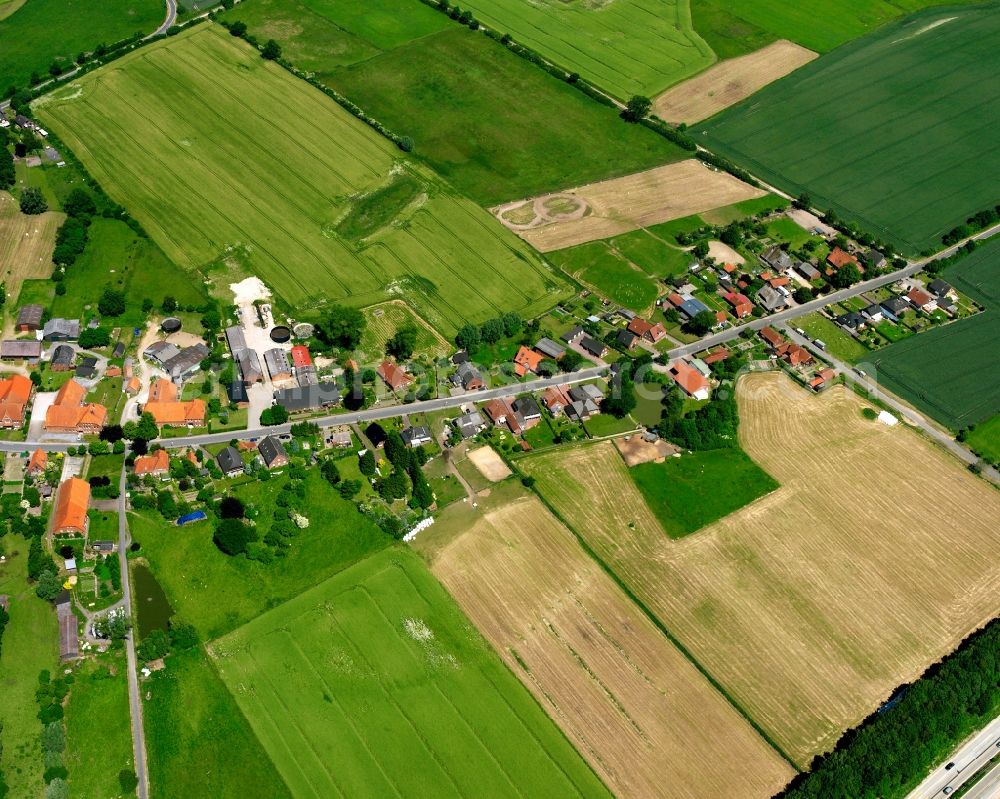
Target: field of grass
<point>806,618</point>
<point>651,254</point>
<point>735,27</point>
<point>383,322</point>
<point>866,163</point>
<point>196,164</point>
<point>477,126</point>
<point>336,537</point>
<point>948,372</point>
<point>98,735</point>
<point>692,491</point>
<point>587,652</point>
<point>985,439</point>
<point>26,244</point>
<point>43,31</point>
<point>198,742</point>
<point>626,47</point>
<point>602,269</point>
<point>30,644</point>
<point>373,683</point>
<point>839,342</point>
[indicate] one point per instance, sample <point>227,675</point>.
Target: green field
<point>30,644</point>
<point>220,186</point>
<point>838,341</point>
<point>690,492</point>
<point>471,125</point>
<point>985,439</point>
<point>336,537</point>
<point>735,27</point>
<point>43,31</point>
<point>953,372</point>
<point>198,743</point>
<point>626,47</point>
<point>383,322</point>
<point>899,138</point>
<point>374,683</point>
<point>600,267</point>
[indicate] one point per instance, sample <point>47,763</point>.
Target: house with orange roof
<point>393,376</point>
<point>647,330</point>
<point>717,355</point>
<point>821,378</point>
<point>772,337</point>
<point>839,258</point>
<point>527,361</point>
<point>793,354</point>
<point>132,386</point>
<point>740,303</point>
<point>156,464</point>
<point>690,379</point>
<point>168,411</point>
<point>72,503</point>
<point>721,317</point>
<point>37,463</point>
<point>69,414</point>
<point>776,282</point>
<point>301,356</point>
<point>15,393</point>
<point>497,410</point>
<point>555,398</point>
<point>921,300</point>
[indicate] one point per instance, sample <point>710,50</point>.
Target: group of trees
<point>975,223</point>
<point>33,201</point>
<point>7,174</point>
<point>471,336</point>
<point>712,425</point>
<point>159,643</point>
<point>406,476</point>
<point>348,489</point>
<point>72,237</point>
<point>342,327</point>
<point>403,342</point>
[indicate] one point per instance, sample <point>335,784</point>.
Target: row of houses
<point>938,295</point>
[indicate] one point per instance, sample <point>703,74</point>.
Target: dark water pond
<point>152,608</point>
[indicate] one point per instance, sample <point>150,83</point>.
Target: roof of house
<point>301,356</point>
<point>939,286</point>
<point>692,306</point>
<point>574,333</point>
<point>376,434</point>
<point>771,298</point>
<point>851,319</point>
<point>15,389</point>
<point>777,258</point>
<point>460,357</point>
<point>497,409</point>
<point>72,502</point>
<point>229,460</point>
<point>527,361</point>
<point>555,397</point>
<point>277,363</point>
<point>874,257</point>
<point>249,363</point>
<point>236,339</point>
<point>177,412</point>
<point>527,407</point>
<point>30,315</point>
<point>625,339</point>
<point>771,336</point>
<point>587,391</point>
<point>187,360</point>
<point>793,353</point>
<point>872,310</point>
<point>841,258</point>
<point>642,327</point>
<point>593,346</point>
<point>550,348</point>
<point>161,351</point>
<point>305,398</point>
<point>119,350</point>
<point>307,376</point>
<point>63,355</point>
<point>271,449</point>
<point>70,393</point>
<point>393,375</point>
<point>155,463</point>
<point>38,461</point>
<point>688,378</point>
<point>133,385</point>
<point>20,348</point>
<point>415,435</point>
<point>64,328</point>
<point>895,305</point>
<point>919,297</point>
<point>467,374</point>
<point>808,270</point>
<point>717,355</point>
<point>237,392</point>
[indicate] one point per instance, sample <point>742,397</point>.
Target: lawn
<point>198,742</point>
<point>337,537</point>
<point>949,372</point>
<point>354,682</point>
<point>30,644</point>
<point>98,732</point>
<point>43,31</point>
<point>692,491</point>
<point>477,126</point>
<point>626,47</point>
<point>26,244</point>
<point>651,254</point>
<point>604,424</point>
<point>601,268</point>
<point>985,439</point>
<point>852,146</point>
<point>386,319</point>
<point>839,343</point>
<point>220,187</point>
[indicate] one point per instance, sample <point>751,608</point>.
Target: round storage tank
<point>303,330</point>
<point>280,334</point>
<point>170,325</point>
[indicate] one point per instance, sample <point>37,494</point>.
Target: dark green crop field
<point>896,131</point>
<point>953,372</point>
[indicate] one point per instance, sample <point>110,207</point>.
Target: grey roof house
<point>550,349</point>
<point>308,398</point>
<point>229,461</point>
<point>277,363</point>
<point>470,424</point>
<point>187,362</point>
<point>771,299</point>
<point>20,350</point>
<point>29,317</point>
<point>61,330</point>
<point>272,452</point>
<point>416,436</point>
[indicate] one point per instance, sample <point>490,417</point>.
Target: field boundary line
<point>666,632</point>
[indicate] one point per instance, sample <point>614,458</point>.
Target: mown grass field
<point>30,644</point>
<point>386,319</point>
<point>692,491</point>
<point>601,268</point>
<point>198,742</point>
<point>43,31</point>
<point>952,372</point>
<point>587,652</point>
<point>863,144</point>
<point>626,47</point>
<point>336,537</point>
<point>838,341</point>
<point>373,683</point>
<point>985,439</point>
<point>26,244</point>
<point>806,618</point>
<point>215,181</point>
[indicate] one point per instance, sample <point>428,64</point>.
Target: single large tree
<point>342,327</point>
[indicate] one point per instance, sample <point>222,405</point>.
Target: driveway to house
<point>72,467</point>
<point>969,759</point>
<point>910,415</point>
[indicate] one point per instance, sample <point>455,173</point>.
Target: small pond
<point>152,608</point>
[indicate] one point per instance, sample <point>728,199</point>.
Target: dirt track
<point>599,210</point>
<point>729,81</point>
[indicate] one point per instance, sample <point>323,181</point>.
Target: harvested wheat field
<point>875,557</point>
<point>26,244</point>
<point>729,81</point>
<point>632,704</point>
<point>611,207</point>
<point>490,465</point>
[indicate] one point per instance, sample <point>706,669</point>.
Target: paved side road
<point>134,698</point>
<point>968,759</point>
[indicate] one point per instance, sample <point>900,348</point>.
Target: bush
<point>33,201</point>
<point>232,536</point>
<point>126,777</point>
